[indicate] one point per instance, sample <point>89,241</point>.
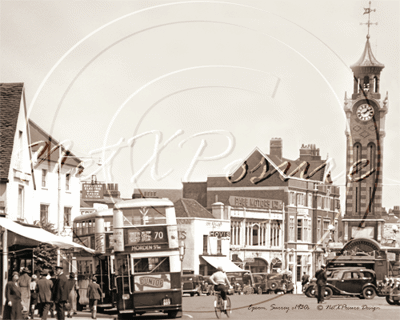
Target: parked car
<point>273,282</point>
<point>348,281</point>
<point>191,284</point>
<point>391,289</point>
<point>244,280</point>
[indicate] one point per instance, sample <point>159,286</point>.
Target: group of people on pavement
<point>24,294</point>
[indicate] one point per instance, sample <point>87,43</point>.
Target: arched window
<point>366,83</point>
<point>256,235</point>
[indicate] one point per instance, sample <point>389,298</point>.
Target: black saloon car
<point>347,281</point>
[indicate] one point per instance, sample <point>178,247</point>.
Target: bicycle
<point>219,305</point>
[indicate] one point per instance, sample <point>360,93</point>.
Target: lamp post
<point>182,249</point>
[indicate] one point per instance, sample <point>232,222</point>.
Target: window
<point>299,227</point>
<point>326,226</point>
<point>20,202</point>
<point>319,202</point>
<point>67,216</point>
<point>205,244</point>
<point>319,235</point>
<point>309,230</point>
<point>291,228</point>
<point>44,213</point>
<point>255,235</point>
<point>292,198</point>
<point>305,230</point>
<point>67,179</point>
<point>159,264</point>
<point>219,246</point>
<point>44,178</point>
<point>310,200</point>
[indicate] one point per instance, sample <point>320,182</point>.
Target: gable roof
<point>190,208</point>
<point>10,101</point>
<point>38,134</point>
<point>278,164</point>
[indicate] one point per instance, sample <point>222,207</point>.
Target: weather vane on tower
<point>368,11</point>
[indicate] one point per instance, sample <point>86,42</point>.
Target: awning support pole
<point>4,274</point>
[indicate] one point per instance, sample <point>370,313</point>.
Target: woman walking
<point>13,306</point>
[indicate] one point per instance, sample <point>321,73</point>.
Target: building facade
<point>282,212</point>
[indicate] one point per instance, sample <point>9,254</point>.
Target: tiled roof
<point>10,100</point>
<point>190,208</point>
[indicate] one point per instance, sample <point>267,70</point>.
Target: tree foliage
<point>45,254</point>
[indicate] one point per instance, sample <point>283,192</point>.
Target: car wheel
<point>310,292</point>
<point>191,294</point>
<point>390,300</point>
<point>328,293</point>
<point>273,285</point>
<point>369,293</point>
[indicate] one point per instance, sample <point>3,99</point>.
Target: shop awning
<point>223,262</point>
<point>38,235</point>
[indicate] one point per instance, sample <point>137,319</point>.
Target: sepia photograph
<point>199,159</point>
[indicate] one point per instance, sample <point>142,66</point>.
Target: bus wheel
<point>369,293</point>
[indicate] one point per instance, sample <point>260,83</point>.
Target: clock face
<point>365,112</point>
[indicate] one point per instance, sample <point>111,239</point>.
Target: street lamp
<point>182,250</point>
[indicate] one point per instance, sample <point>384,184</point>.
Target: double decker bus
<point>95,231</point>
<point>147,263</point>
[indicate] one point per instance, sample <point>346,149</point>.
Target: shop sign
<point>255,203</point>
<point>92,191</point>
<point>213,224</point>
<point>220,234</point>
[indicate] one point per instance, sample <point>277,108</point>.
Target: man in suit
<point>60,293</point>
<point>94,294</point>
<point>321,283</point>
<point>304,280</point>
<point>44,287</point>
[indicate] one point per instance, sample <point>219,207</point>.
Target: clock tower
<point>365,131</point>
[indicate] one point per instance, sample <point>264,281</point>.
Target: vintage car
<point>191,283</point>
<point>242,279</point>
<point>273,283</point>
<point>347,281</point>
<point>391,290</point>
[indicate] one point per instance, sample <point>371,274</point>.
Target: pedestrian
<point>44,287</point>
<point>24,282</point>
<point>94,294</point>
<point>33,289</point>
<point>13,306</point>
<point>60,292</point>
<point>72,295</point>
<point>304,280</point>
<point>53,278</point>
<point>321,283</point>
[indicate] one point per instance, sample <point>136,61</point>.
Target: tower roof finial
<point>369,23</point>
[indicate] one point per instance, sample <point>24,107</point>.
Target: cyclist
<point>219,279</point>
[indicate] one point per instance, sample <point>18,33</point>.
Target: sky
<point>169,91</point>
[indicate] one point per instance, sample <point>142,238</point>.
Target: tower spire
<point>369,23</point>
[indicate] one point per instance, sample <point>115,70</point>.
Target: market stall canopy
<point>223,262</point>
<point>38,235</point>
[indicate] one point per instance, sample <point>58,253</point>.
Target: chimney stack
<point>217,210</point>
<point>275,147</point>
